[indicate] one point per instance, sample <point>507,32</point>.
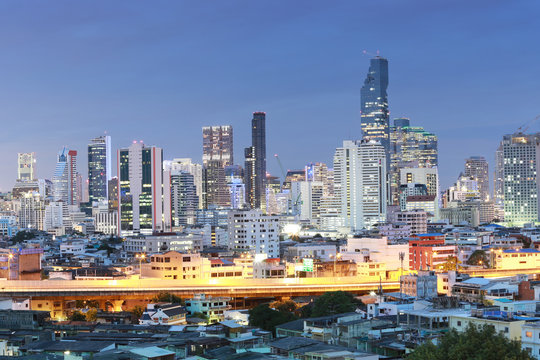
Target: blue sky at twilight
<point>158,71</point>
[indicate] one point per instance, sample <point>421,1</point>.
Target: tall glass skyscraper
<point>99,168</point>
<point>65,177</point>
<point>374,103</point>
<point>255,166</point>
<point>140,178</point>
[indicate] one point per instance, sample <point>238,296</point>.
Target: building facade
<point>255,165</point>
<point>99,168</point>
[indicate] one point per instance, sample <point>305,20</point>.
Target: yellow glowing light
<point>292,229</point>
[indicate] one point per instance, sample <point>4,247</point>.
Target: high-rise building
<point>217,154</point>
<point>65,177</point>
<point>218,144</point>
<point>476,167</point>
<point>215,189</point>
<point>26,166</point>
<point>99,167</point>
<point>306,200</point>
<point>184,200</point>
<point>31,211</point>
<point>186,165</point>
<point>113,193</point>
<point>427,176</point>
<point>521,155</point>
<point>320,172</point>
<point>140,178</point>
<point>360,183</point>
<point>374,103</point>
<point>409,147</point>
<point>255,167</point>
<point>254,232</point>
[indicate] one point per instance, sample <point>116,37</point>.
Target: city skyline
<point>315,91</point>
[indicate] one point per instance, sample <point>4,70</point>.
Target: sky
<point>158,71</point>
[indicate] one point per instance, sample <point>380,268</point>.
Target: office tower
<point>374,103</point>
<point>65,177</point>
<point>476,167</point>
<point>521,154</point>
<point>234,177</point>
<point>498,184</point>
<point>254,232</point>
<point>410,146</point>
<point>217,154</point>
<point>25,166</point>
<point>186,165</point>
<point>293,176</point>
<point>360,183</point>
<point>99,167</point>
<point>255,169</point>
<point>215,190</point>
<point>427,176</point>
<point>320,172</point>
<point>113,193</point>
<point>218,144</point>
<point>184,200</point>
<point>306,200</point>
<point>140,178</point>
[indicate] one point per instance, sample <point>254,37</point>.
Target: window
<point>506,329</point>
<point>528,334</point>
<point>459,323</point>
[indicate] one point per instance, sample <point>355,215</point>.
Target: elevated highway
<point>147,288</point>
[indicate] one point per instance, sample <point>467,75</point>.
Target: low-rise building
<point>163,314</point>
<point>502,321</point>
<point>512,259</point>
<point>422,285</point>
<point>212,307</point>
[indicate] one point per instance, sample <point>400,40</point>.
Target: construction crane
<point>281,167</point>
<point>523,128</point>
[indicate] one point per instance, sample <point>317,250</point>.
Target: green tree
<point>77,316</point>
<point>479,257</point>
<point>451,263</point>
<point>137,312</point>
<point>23,235</point>
<point>334,302</point>
<point>286,306</point>
<point>479,343</point>
<point>91,314</point>
<point>167,297</point>
<point>267,319</point>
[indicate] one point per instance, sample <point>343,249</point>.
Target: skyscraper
<point>186,165</point>
<point>521,154</point>
<point>409,147</point>
<point>184,199</point>
<point>65,177</point>
<point>374,103</point>
<point>140,178</point>
<point>99,168</point>
<point>359,183</point>
<point>218,144</point>
<point>25,169</point>
<point>476,167</point>
<point>255,166</point>
<point>217,154</point>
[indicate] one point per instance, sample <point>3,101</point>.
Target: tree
<point>91,314</point>
<point>167,297</point>
<point>334,302</point>
<point>267,319</point>
<point>23,235</point>
<point>451,263</point>
<point>479,343</point>
<point>199,315</point>
<point>479,257</point>
<point>287,306</point>
<point>77,316</point>
<point>137,311</point>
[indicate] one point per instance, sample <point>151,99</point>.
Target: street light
<point>140,257</point>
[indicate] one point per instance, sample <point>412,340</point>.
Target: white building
<point>54,215</point>
<point>186,164</point>
<point>306,200</point>
<point>323,251</point>
<point>72,247</point>
<point>32,211</point>
<point>530,338</point>
<point>151,244</point>
<point>253,231</point>
<point>416,219</point>
<point>378,250</point>
<point>360,183</point>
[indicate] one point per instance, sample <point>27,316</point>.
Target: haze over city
<point>73,70</point>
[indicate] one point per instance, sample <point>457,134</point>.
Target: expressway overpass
<point>234,288</point>
<point>59,296</point>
